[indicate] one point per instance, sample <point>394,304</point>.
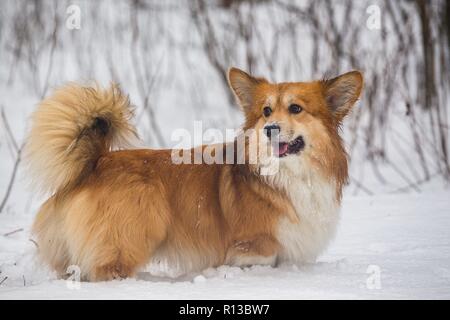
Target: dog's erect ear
<point>342,92</point>
<point>243,86</point>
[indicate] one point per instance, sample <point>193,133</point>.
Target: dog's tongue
<point>282,148</point>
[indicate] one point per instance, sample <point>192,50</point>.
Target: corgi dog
<point>113,210</point>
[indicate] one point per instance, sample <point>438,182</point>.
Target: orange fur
<point>111,212</point>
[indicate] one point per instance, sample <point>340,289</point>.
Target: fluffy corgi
<point>113,210</point>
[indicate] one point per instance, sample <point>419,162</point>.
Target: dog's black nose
<point>272,130</point>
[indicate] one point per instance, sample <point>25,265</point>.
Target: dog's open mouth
<point>292,147</point>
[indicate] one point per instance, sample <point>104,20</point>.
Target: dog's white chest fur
<point>317,209</point>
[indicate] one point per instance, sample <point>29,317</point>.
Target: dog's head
<point>299,119</point>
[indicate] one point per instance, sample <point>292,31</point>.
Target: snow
<point>403,238</point>
<point>396,227</point>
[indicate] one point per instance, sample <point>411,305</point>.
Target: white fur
<point>316,206</point>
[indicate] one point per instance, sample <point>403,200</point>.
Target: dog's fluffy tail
<point>71,129</point>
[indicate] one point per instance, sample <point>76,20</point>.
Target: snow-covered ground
<point>387,247</point>
<point>394,237</point>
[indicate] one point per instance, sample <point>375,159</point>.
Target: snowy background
<point>172,57</point>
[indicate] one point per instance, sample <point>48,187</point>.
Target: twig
<point>411,184</point>
<point>414,184</point>
<point>8,130</point>
<point>34,242</point>
<point>144,84</point>
<point>11,180</point>
<point>16,164</point>
<point>12,232</point>
<point>54,42</point>
<point>4,279</point>
<point>361,186</point>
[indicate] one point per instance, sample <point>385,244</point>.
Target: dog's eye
<point>295,108</point>
<point>267,111</point>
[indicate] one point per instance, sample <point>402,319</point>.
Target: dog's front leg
<point>259,250</point>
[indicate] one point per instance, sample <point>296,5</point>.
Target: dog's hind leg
<point>112,236</point>
<point>123,258</point>
<point>50,238</point>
